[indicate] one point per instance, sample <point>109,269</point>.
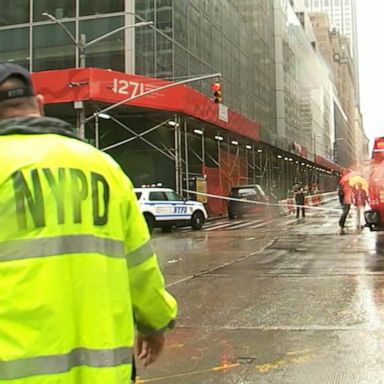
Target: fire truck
<point>375,216</point>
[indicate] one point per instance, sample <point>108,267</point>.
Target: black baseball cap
<point>9,70</point>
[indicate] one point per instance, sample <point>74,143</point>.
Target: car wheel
<point>197,220</point>
<point>150,221</point>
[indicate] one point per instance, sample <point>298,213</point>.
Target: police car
<point>164,208</point>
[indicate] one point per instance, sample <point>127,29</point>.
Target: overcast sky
<point>370,27</point>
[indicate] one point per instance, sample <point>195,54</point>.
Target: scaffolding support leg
<point>186,158</point>
<point>178,162</point>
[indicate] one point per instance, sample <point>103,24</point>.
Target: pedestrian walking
<point>360,199</point>
<point>300,202</point>
<point>77,269</point>
<point>340,194</point>
<point>346,197</point>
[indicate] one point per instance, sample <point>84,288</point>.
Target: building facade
<point>275,113</point>
<point>190,39</point>
<point>329,44</point>
<point>29,38</point>
<point>342,14</point>
<point>194,38</point>
<point>350,142</point>
<point>345,84</point>
<point>303,83</point>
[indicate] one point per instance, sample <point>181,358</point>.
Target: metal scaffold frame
<point>251,162</point>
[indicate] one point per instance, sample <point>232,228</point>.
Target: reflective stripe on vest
<point>140,254</point>
<point>45,365</point>
<point>58,245</point>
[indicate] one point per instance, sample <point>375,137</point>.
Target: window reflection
<point>14,12</point>
<point>94,7</point>
<point>52,48</point>
<point>164,16</point>
<point>211,36</point>
<point>109,52</point>
<point>58,8</point>
<point>14,46</point>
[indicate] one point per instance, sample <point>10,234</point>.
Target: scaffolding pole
<point>254,164</point>
<point>186,158</point>
<point>178,163</point>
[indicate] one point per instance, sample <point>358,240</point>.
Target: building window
<point>14,12</point>
<point>52,48</point>
<point>107,53</point>
<point>94,7</point>
<point>57,8</point>
<point>14,46</point>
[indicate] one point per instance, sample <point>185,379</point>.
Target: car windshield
<point>247,191</point>
<point>157,196</point>
<point>173,196</point>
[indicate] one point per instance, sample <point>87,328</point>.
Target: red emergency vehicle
<point>375,216</point>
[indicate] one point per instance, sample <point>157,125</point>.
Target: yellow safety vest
<point>75,258</point>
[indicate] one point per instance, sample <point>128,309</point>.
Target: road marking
<point>295,358</point>
<point>208,224</point>
<point>223,367</point>
<point>291,353</point>
<point>221,226</point>
<point>245,224</point>
<point>258,226</point>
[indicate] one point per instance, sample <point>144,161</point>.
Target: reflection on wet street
<point>287,302</point>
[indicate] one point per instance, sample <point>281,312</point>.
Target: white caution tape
<point>280,204</point>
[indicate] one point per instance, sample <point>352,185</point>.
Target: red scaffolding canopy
<point>94,84</point>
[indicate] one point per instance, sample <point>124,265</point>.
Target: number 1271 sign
<point>130,88</point>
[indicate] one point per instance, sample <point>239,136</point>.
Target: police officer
<point>300,202</point>
<point>77,269</point>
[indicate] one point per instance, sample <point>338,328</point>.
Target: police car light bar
<point>151,185</point>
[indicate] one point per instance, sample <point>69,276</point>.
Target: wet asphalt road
<point>288,301</point>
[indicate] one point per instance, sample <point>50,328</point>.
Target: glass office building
<point>191,38</point>
<point>343,16</point>
<point>30,39</point>
<point>304,87</point>
<point>200,37</point>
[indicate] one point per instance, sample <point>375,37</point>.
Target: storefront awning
<point>94,84</point>
<point>299,150</point>
<point>329,164</point>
